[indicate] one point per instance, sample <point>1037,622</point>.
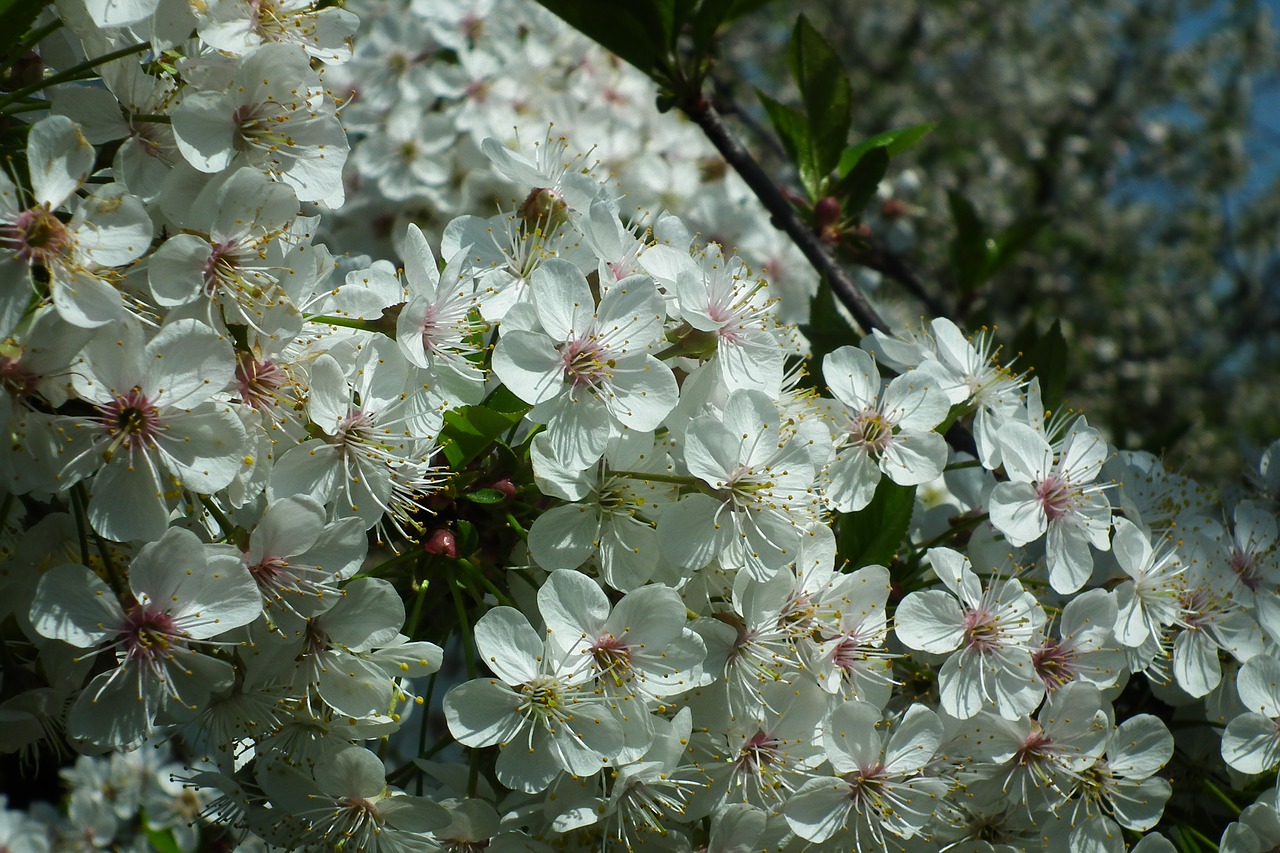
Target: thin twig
<point>784,215</point>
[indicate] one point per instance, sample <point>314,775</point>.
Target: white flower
<point>588,370</point>
<point>880,787</point>
<point>183,592</point>
<point>990,633</point>
<point>543,712</point>
<point>275,117</point>
<point>762,491</point>
<point>889,432</point>
<point>1251,741</point>
<point>1057,496</point>
<point>158,425</point>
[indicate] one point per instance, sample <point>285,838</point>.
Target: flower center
<point>760,750</point>
<point>1054,663</point>
<point>1054,495</point>
<point>36,235</point>
<point>872,432</point>
<point>584,363</point>
<point>981,631</point>
<point>149,633</point>
<point>543,700</point>
<point>131,420</point>
<point>612,657</point>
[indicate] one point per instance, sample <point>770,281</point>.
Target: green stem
<point>473,569</point>
<point>412,625</point>
<point>228,529</point>
<point>28,107</point>
<point>113,574</point>
<point>678,479</point>
<point>346,322</point>
<point>1222,795</point>
<point>35,37</point>
<point>152,118</point>
<point>469,650</point>
<point>73,72</point>
<point>517,527</point>
<point>1199,836</point>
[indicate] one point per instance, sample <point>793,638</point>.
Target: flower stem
<point>1222,795</point>
<point>678,479</point>
<point>73,72</point>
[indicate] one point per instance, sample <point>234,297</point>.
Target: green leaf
<point>893,141</point>
<point>162,840</point>
<point>793,130</point>
<point>874,534</point>
<point>713,14</point>
<point>971,249</point>
<point>16,17</point>
<point>825,93</point>
<point>639,32</point>
<point>1013,240</point>
<point>826,330</point>
<point>859,186</point>
<point>486,496</point>
<point>1045,355</point>
<point>471,430</point>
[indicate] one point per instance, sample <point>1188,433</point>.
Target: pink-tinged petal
<point>508,645</point>
<point>208,591</point>
<point>1027,456</point>
<point>852,376</point>
<point>59,157</point>
<point>564,537</point>
<point>529,364</point>
<point>111,227</point>
<point>562,299</point>
<point>574,609</point>
<point>692,533</point>
<point>482,713</point>
<point>1017,512</point>
<point>929,621</point>
<point>76,606</point>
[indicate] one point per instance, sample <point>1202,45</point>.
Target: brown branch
<point>784,215</point>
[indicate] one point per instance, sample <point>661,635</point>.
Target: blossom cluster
<point>217,429</point>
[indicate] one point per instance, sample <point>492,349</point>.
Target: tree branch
<point>784,215</point>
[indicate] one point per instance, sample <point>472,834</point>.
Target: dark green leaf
<point>893,141</point>
<point>162,840</point>
<point>639,31</point>
<point>1013,240</point>
<point>826,330</point>
<point>466,540</point>
<point>486,496</point>
<point>793,130</point>
<point>875,533</point>
<point>16,17</point>
<point>825,93</point>
<point>971,248</point>
<point>1045,356</point>
<point>470,430</point>
<point>713,14</point>
<point>859,186</point>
